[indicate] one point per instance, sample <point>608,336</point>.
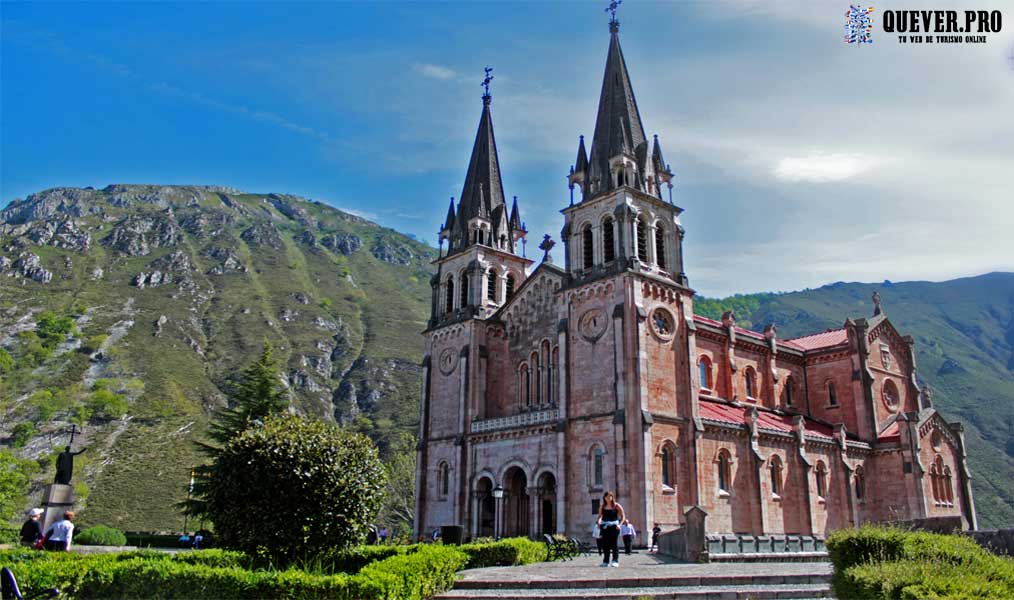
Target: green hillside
<point>964,333</point>
<point>173,289</point>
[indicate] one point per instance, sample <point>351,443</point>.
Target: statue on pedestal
<point>65,462</point>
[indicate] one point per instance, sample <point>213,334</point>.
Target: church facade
<point>545,386</point>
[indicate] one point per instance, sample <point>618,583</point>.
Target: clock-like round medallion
<point>448,360</point>
<point>662,324</point>
<point>592,324</point>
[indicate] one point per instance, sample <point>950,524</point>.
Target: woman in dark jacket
<point>31,531</point>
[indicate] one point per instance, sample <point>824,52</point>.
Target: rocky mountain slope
<point>174,288</point>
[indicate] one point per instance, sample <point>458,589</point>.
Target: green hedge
<point>514,551</point>
<point>885,563</point>
<point>100,535</point>
<point>216,574</point>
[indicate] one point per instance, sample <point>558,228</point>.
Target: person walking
<point>597,534</point>
<point>383,535</point>
<point>610,517</point>
<point>31,530</point>
<point>655,532</point>
<point>59,534</point>
<point>628,532</point>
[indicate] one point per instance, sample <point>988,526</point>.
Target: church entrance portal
<point>516,517</point>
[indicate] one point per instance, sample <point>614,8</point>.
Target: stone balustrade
<point>517,421</point>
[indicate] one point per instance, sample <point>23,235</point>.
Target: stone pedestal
<point>56,498</point>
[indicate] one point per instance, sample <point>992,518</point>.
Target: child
<point>597,534</point>
<point>655,532</point>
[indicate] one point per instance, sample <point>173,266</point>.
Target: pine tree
<point>256,394</point>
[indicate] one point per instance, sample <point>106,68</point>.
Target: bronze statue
<point>65,466</point>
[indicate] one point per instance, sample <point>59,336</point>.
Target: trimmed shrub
<point>290,487</point>
<point>886,563</point>
<point>514,551</point>
<point>100,535</point>
<point>352,560</point>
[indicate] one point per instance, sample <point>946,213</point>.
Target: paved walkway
<point>586,569</point>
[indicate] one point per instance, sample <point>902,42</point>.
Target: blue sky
<point>801,160</point>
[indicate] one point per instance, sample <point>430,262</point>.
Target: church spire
<point>483,190</point>
<point>619,152</point>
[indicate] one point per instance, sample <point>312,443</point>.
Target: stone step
<point>618,580</point>
<point>770,557</point>
<point>703,592</point>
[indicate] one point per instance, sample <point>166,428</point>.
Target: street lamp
<point>497,496</point>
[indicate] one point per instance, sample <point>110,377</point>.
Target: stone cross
<point>547,245</point>
<point>487,80</point>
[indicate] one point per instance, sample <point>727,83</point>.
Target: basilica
<point>545,385</point>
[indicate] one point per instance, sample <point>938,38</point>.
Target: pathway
<point>645,576</point>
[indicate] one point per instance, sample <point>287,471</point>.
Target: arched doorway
<point>485,507</point>
<point>515,503</point>
<point>547,503</point>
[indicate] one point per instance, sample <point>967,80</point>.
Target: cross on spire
<point>611,9</point>
<point>485,82</point>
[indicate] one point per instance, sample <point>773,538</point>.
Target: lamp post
<point>497,511</point>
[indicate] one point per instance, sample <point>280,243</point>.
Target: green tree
<point>399,502</point>
<point>15,477</point>
<point>289,488</point>
<point>106,404</point>
<point>257,393</point>
<point>6,362</point>
<point>22,433</point>
<point>52,329</point>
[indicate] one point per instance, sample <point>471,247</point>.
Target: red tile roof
<point>736,415</point>
<point>827,339</point>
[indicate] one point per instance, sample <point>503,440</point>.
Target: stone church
<point>546,385</point>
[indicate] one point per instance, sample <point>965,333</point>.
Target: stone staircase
<point>643,577</point>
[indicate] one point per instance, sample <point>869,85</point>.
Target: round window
<point>662,324</point>
<point>936,440</point>
<point>890,394</point>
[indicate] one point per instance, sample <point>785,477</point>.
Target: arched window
<point>724,471</point>
<point>821,475</point>
<point>587,247</point>
<point>948,490</point>
<point>536,378</point>
<point>787,392</point>
<point>776,476</point>
<point>598,465</point>
<point>705,366</point>
<point>660,246</point>
<point>751,383</point>
<point>491,285</point>
<point>510,286</point>
<point>668,465</point>
<point>642,241</point>
<point>449,296</point>
<point>832,396</point>
<point>554,375</point>
<point>547,373</point>
<point>608,243</point>
<point>463,291</point>
<point>444,478</point>
<point>935,480</point>
<point>860,484</point>
<point>526,386</point>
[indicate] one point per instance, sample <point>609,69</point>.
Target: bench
<point>559,549</point>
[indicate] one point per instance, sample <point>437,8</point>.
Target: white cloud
<point>823,168</point>
<point>363,214</point>
<point>435,71</point>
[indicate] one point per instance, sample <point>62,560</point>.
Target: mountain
<point>172,289</point>
<point>964,341</point>
<point>168,290</point>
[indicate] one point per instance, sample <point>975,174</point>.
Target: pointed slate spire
<point>515,220</point>
<point>618,127</point>
<point>449,219</point>
<point>656,157</point>
<point>483,190</point>
<point>581,164</point>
